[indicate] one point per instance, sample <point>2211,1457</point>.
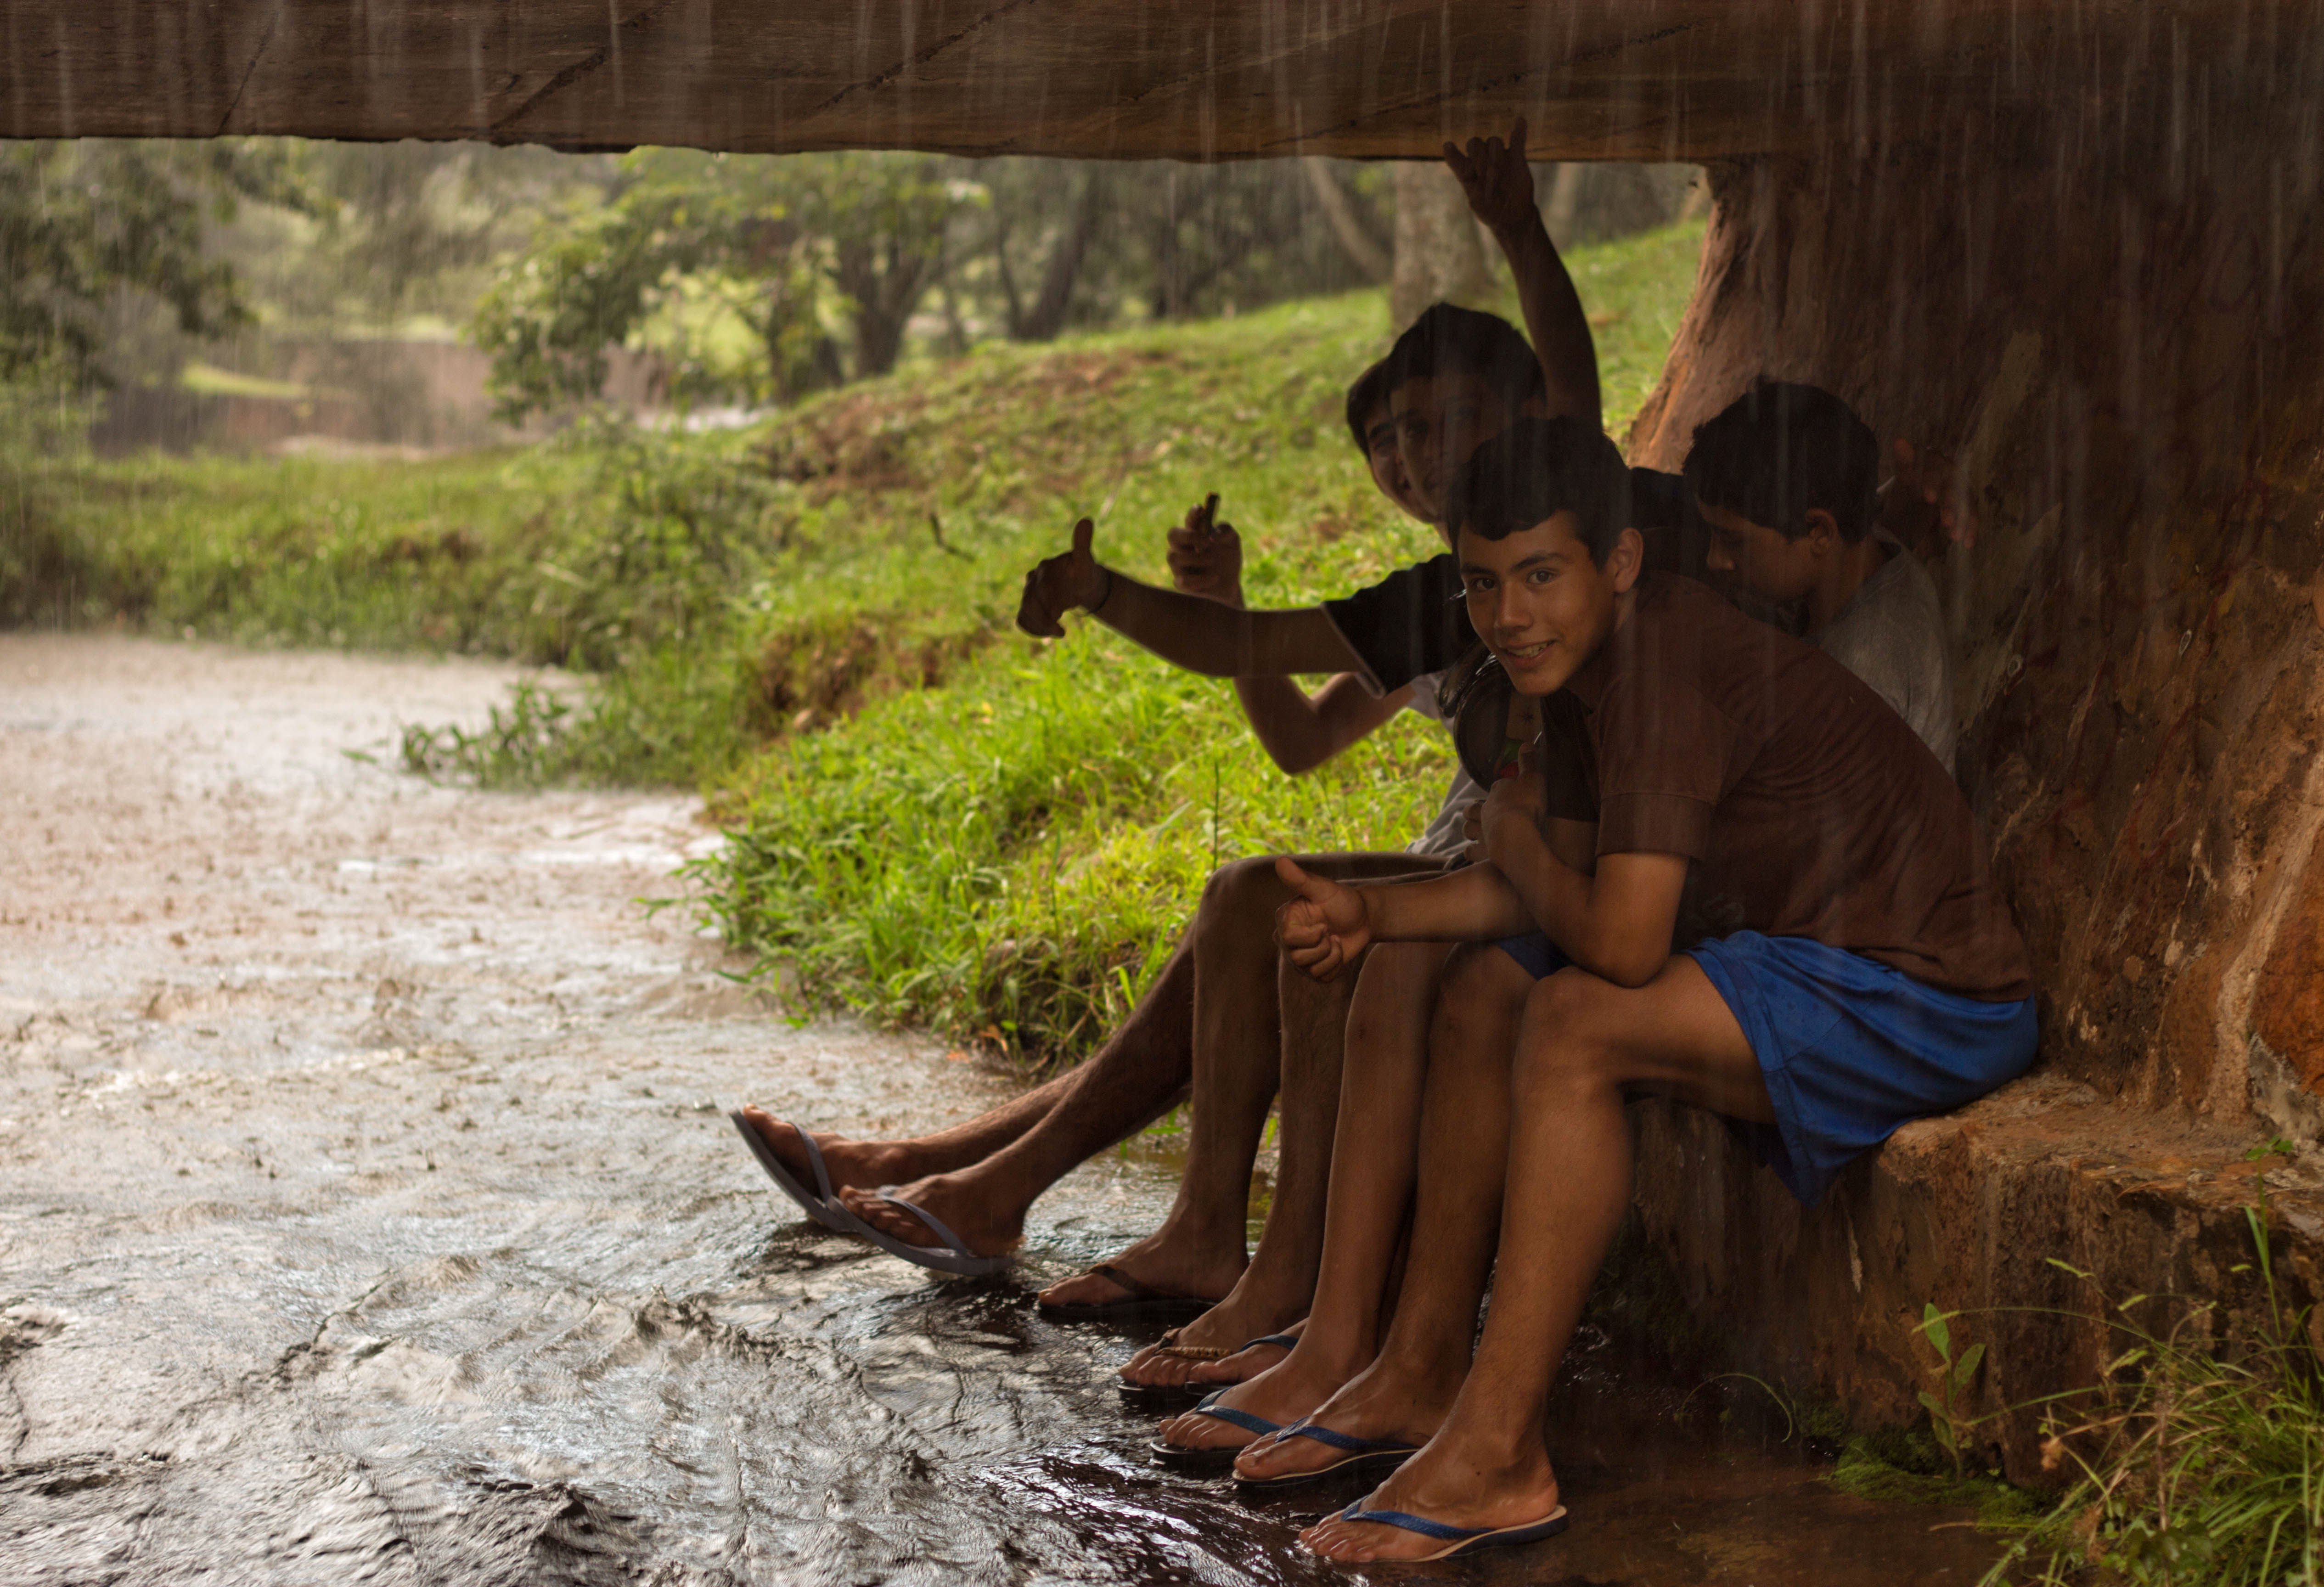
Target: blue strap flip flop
<point>952,1257</point>
<point>1354,1453</point>
<point>1462,1539</point>
<point>821,1203</point>
<point>1187,1456</point>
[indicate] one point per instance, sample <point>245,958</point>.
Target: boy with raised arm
<point>1864,971</point>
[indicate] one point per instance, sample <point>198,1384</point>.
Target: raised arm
<point>1299,731</point>
<point>1190,631</point>
<point>1500,185</point>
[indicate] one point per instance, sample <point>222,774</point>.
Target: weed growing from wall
<point>2199,1458</point>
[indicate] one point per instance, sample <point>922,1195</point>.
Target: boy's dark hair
<point>1449,340</point>
<point>1780,450</point>
<point>1368,394</point>
<point>1535,469</point>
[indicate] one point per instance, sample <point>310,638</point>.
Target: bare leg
<point>1388,1032</point>
<point>1569,1168</point>
<point>1228,1019</point>
<point>888,1162</point>
<point>1464,1142</point>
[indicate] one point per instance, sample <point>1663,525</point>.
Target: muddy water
<point>367,1215</point>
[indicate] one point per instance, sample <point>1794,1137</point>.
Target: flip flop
<point>1355,1452</point>
<point>1160,1396</point>
<point>1188,1457</point>
<point>826,1208</point>
<point>1142,1300</point>
<point>952,1257</point>
<point>1460,1539</point>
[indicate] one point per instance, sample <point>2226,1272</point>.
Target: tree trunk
<point>884,292</point>
<point>1048,316</point>
<point>1439,255</point>
<point>1340,210</point>
<point>2118,348</point>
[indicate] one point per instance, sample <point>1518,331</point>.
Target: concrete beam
<point>1200,79</point>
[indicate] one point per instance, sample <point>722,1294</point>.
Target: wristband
<point>1101,600</point>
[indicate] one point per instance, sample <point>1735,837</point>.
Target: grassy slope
<point>934,818</point>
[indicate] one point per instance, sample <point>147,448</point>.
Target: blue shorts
<point>1850,1048</point>
<point>1540,958</point>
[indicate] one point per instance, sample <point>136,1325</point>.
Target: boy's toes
<point>886,1216</point>
<point>1192,1431</point>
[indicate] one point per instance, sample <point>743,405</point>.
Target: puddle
<point>418,1261</point>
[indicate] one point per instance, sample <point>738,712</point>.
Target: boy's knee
<point>1242,887</point>
<point>1564,1043</point>
<point>1476,990</point>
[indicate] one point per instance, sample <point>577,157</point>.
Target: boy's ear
<point>1823,527</point>
<point>1627,560</point>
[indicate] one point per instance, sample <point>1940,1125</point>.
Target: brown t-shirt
<point>1809,808</point>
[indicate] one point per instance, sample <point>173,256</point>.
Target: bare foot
<point>989,1231</point>
<point>1227,1327</point>
<point>1162,1261</point>
<point>1383,1402</point>
<point>1461,1483</point>
<point>848,1162</point>
<point>1283,1394</point>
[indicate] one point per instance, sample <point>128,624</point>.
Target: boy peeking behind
<point>1787,479</point>
<point>1861,969</point>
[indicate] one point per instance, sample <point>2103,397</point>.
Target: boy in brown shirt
<point>1857,968</point>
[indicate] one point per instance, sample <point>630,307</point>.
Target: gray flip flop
<point>952,1257</point>
<point>826,1208</point>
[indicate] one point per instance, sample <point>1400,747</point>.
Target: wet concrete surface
<point>368,1214</point>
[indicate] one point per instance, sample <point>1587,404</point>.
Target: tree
<point>795,243</point>
<point>1439,255</point>
<point>81,222</point>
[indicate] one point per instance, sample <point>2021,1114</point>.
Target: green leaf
<point>1966,1367</point>
<point>1933,1323</point>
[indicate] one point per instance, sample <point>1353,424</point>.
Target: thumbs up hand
<point>1325,927</point>
<point>1205,556</point>
<point>1062,584</point>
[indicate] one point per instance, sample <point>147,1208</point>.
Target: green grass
<point>2199,1456</point>
<point>1009,858</point>
<point>934,819</point>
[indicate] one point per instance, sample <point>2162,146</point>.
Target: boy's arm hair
<point>1192,632</point>
<point>1500,185</point>
<point>1474,904</point>
<point>1223,641</point>
<point>1299,731</point>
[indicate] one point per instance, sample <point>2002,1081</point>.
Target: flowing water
<point>368,1214</point>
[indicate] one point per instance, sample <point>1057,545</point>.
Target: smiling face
<point>1753,556</point>
<point>1387,464</point>
<point>1439,420</point>
<point>1540,604</point>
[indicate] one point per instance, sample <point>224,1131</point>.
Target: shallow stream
<point>368,1214</point>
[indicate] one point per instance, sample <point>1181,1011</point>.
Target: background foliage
<point>810,618</point>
